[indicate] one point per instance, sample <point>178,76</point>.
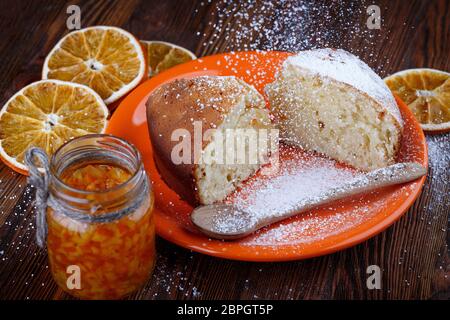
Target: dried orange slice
<point>164,55</point>
<point>109,60</point>
<point>427,93</point>
<point>46,114</point>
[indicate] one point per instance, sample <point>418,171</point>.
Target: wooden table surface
<point>413,253</point>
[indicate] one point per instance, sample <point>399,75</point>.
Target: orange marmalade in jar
<point>101,233</point>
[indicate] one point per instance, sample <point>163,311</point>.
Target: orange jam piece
<point>95,177</point>
<point>113,258</point>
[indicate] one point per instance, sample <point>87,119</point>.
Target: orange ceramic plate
<point>310,235</point>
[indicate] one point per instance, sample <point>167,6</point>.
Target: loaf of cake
<point>214,102</point>
<point>329,101</point>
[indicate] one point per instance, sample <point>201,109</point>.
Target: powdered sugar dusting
<point>300,176</point>
<point>293,26</point>
<point>439,157</point>
<point>315,227</point>
<point>345,67</point>
<point>297,180</point>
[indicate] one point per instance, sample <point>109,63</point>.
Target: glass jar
<point>101,233</point>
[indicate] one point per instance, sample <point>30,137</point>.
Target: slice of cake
<point>176,110</point>
<point>331,102</point>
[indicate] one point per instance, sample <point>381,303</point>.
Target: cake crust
<point>180,103</point>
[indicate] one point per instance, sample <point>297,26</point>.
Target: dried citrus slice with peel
<point>164,55</point>
<point>109,60</point>
<point>427,93</point>
<point>46,114</point>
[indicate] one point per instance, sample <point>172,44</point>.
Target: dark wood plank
<point>413,253</point>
